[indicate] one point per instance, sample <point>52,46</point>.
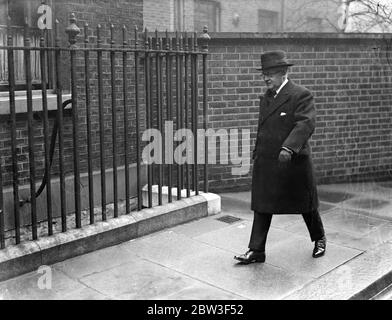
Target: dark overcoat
<point>285,121</point>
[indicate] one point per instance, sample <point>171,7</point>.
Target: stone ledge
<point>19,259</point>
<point>358,279</point>
<point>297,35</point>
<point>288,35</point>
<point>21,102</point>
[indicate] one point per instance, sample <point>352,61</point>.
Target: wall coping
<point>297,35</point>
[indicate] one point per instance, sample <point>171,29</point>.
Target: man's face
<point>273,78</point>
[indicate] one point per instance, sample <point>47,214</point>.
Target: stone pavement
<point>195,260</point>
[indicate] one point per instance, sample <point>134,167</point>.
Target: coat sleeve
<point>258,129</point>
<point>304,123</point>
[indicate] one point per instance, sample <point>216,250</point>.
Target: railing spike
<point>99,39</point>
<point>112,34</point>
<point>124,34</point>
<point>161,43</point>
<point>156,39</point>
<point>42,38</point>
<point>146,38</point>
<point>195,39</point>
<point>26,30</point>
<point>86,33</point>
<point>56,33</point>
<point>136,37</point>
<point>186,41</point>
<point>167,41</point>
<point>181,42</point>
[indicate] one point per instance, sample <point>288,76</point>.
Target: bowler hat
<point>273,59</point>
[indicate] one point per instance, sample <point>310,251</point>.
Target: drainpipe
<point>282,14</point>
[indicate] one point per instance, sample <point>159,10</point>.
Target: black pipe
<point>52,147</point>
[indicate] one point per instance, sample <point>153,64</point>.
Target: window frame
<point>268,13</point>
<point>18,40</point>
<point>217,17</point>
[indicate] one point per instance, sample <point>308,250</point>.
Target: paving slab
<point>351,222</point>
<point>380,235</point>
<point>333,196</point>
<point>323,207</point>
<point>165,247</point>
<point>26,287</point>
<point>137,280</point>
<point>240,196</point>
<point>286,220</point>
<point>347,228</point>
<point>237,207</point>
<point>367,203</point>
<point>299,228</point>
<point>295,254</point>
<point>368,189</point>
<point>257,281</point>
<point>94,262</point>
<point>201,262</point>
<point>374,207</point>
<point>196,228</point>
<point>351,280</point>
<point>236,238</point>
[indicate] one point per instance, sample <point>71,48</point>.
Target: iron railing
<point>120,88</point>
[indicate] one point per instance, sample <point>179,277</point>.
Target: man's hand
<point>284,158</point>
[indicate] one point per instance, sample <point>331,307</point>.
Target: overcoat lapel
<point>274,104</point>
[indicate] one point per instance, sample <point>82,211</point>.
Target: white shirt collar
<point>281,87</point>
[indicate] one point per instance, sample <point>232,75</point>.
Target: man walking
<point>283,181</point>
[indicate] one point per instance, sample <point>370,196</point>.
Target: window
<point>20,11</point>
<point>314,24</point>
<point>179,15</point>
<point>207,13</point>
<point>268,21</point>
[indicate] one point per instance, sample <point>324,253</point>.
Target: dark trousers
<point>262,223</point>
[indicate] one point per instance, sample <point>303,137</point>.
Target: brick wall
<point>352,85</point>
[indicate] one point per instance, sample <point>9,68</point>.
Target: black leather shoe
<point>251,257</point>
<point>319,247</point>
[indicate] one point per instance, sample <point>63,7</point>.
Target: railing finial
<point>136,36</point>
<point>56,33</point>
<point>9,32</point>
<point>86,33</point>
<point>204,39</point>
<point>72,30</point>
